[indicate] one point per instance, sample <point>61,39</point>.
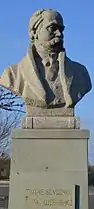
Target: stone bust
<point>46,77</point>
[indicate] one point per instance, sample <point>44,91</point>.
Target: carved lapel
<point>66,78</point>
<point>31,77</point>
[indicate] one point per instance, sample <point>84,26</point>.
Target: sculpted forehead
<point>50,16</point>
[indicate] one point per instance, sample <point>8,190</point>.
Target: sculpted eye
<point>52,28</point>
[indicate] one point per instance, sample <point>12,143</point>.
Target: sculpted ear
<point>33,35</point>
<point>36,36</point>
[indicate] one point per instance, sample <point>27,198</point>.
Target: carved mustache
<point>56,40</point>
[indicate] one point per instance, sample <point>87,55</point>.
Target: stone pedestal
<point>46,166</point>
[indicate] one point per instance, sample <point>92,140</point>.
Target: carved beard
<point>54,45</point>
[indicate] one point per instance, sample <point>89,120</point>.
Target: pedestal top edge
<point>51,134</point>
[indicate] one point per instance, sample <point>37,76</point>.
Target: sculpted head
<point>46,28</point>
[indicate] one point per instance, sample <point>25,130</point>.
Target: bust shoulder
<point>75,65</point>
<point>79,72</point>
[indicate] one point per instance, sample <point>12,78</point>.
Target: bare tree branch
<point>11,110</point>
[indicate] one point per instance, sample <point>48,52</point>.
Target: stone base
<point>46,165</point>
<point>35,111</point>
<point>51,122</point>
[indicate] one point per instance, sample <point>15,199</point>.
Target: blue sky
<point>79,41</point>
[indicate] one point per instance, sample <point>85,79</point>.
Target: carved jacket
<point>24,80</point>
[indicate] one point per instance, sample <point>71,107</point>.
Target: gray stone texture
<point>33,111</point>
<point>51,122</point>
<point>48,159</point>
<point>46,77</point>
<point>50,151</point>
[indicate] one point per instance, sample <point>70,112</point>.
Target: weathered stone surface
<point>33,111</point>
<point>62,198</point>
<point>51,133</point>
<point>45,161</point>
<point>46,77</point>
<point>51,122</point>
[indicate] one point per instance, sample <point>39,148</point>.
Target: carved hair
<point>36,20</point>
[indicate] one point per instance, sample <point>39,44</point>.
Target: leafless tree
<point>11,111</point>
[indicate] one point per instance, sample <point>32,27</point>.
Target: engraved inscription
<point>49,197</point>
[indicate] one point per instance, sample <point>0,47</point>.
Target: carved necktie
<point>52,67</point>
